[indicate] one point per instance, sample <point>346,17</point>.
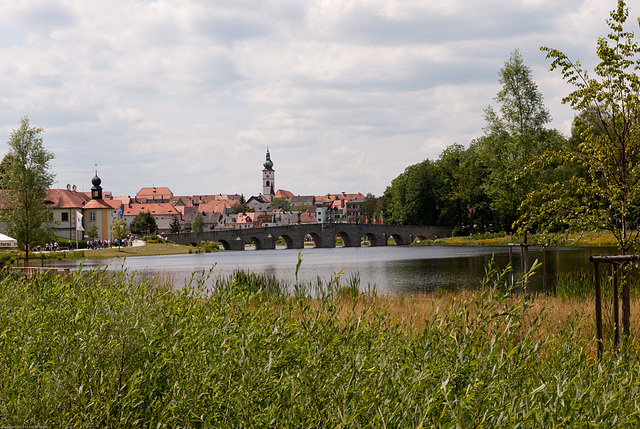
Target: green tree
<point>174,226</point>
<point>26,178</point>
<point>4,165</point>
<point>119,231</point>
<point>369,207</point>
<point>240,207</point>
<point>143,224</point>
<point>607,195</point>
<point>302,207</point>
<point>412,197</point>
<point>197,226</point>
<point>280,204</point>
<point>513,137</point>
<point>92,233</point>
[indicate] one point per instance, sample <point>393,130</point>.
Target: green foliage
<point>302,207</point>
<point>412,198</point>
<point>92,233</point>
<point>97,349</point>
<point>174,226</point>
<point>119,230</point>
<point>143,224</point>
<point>26,178</point>
<point>607,194</point>
<point>369,207</point>
<point>197,224</point>
<point>280,204</point>
<point>154,239</point>
<point>513,137</point>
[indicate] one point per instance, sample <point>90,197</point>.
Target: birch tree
<point>607,194</point>
<point>26,178</point>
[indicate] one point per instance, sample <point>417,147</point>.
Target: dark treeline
<point>482,187</point>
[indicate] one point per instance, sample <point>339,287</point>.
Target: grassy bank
<point>586,238</point>
<point>99,350</point>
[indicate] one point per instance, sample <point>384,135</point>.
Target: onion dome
<point>268,164</point>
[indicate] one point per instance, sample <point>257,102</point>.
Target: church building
<point>268,179</point>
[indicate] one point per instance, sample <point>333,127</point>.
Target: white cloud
<point>346,94</point>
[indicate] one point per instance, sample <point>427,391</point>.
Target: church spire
<point>268,164</point>
<point>268,178</point>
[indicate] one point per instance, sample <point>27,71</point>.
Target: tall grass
<point>98,349</point>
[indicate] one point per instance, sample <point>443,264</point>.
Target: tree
<point>26,178</point>
<point>412,197</point>
<point>174,226</point>
<point>607,195</point>
<point>280,204</point>
<point>197,226</point>
<point>93,232</point>
<point>302,207</point>
<point>464,203</point>
<point>119,231</point>
<point>513,137</point>
<point>240,207</point>
<point>4,165</point>
<point>369,207</point>
<point>144,223</point>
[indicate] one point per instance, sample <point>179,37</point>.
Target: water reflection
<point>391,269</point>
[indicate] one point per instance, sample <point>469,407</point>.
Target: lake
<point>392,269</point>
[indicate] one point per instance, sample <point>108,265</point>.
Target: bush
<point>154,239</point>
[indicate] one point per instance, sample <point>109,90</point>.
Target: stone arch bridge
<point>323,235</point>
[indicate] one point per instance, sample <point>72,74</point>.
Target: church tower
<point>268,179</point>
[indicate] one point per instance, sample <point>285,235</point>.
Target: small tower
<point>96,189</point>
<point>268,178</point>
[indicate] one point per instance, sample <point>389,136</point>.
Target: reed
<point>100,349</point>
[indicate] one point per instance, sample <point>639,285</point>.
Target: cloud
<point>346,94</point>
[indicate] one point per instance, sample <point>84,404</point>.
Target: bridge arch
<point>349,240</point>
<point>291,242</point>
<point>316,238</point>
<point>400,240</point>
<point>225,244</point>
<point>257,242</point>
<point>371,238</point>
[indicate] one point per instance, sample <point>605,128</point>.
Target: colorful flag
<point>79,221</point>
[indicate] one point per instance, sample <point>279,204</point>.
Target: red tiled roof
<point>153,208</point>
<point>65,199</point>
<point>154,193</point>
<point>97,204</point>
<point>281,193</point>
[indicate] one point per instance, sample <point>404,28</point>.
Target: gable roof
<point>158,209</point>
<point>281,193</point>
<point>65,199</point>
<point>98,204</point>
<point>154,193</point>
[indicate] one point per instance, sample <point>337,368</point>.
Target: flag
<point>79,221</point>
<point>374,220</point>
<point>382,220</point>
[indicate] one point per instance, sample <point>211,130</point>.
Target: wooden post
<point>544,270</point>
<point>626,311</point>
<point>614,302</point>
<point>511,263</point>
<point>525,251</point>
<point>596,282</point>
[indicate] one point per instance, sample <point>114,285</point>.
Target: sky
<point>188,94</point>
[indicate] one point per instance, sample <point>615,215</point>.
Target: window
<point>92,217</point>
<point>65,217</point>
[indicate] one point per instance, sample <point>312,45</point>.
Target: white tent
<point>6,241</point>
